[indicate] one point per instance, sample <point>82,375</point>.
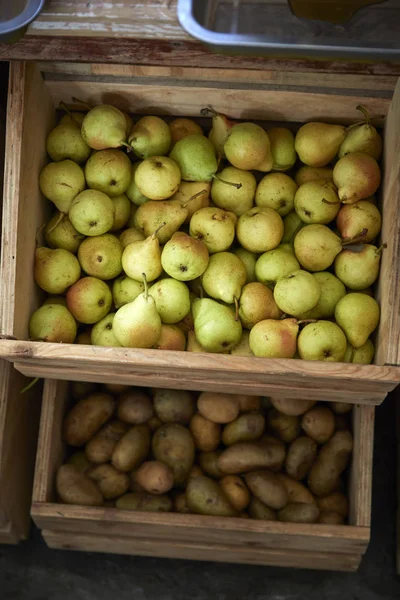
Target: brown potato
<point>300,457</point>
<point>285,427</point>
<point>173,445</point>
<point>174,406</point>
<point>75,487</point>
<point>209,463</point>
<point>206,434</point>
<point>280,449</point>
<point>134,407</point>
<point>219,408</point>
<point>116,388</point>
<point>342,422</point>
<point>80,461</point>
<point>266,486</point>
<point>298,512</point>
<point>332,460</point>
<point>297,492</point>
<point>112,483</point>
<point>250,456</point>
<point>144,502</point>
<point>205,497</point>
<point>293,407</point>
<point>246,428</point>
<point>236,491</point>
<point>100,448</point>
<point>180,504</point>
<point>155,477</point>
<point>258,510</point>
<point>196,471</point>
<point>154,423</point>
<point>341,408</point>
<point>133,484</point>
<point>319,424</point>
<point>81,389</point>
<point>248,403</point>
<point>132,449</point>
<point>330,518</point>
<point>335,502</point>
<point>86,417</point>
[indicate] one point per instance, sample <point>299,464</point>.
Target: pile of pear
<point>245,241</point>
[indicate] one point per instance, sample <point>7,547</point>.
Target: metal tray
<point>15,16</point>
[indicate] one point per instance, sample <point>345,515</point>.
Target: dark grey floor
<point>33,572</point>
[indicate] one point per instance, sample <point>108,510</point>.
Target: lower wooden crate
<point>174,535</point>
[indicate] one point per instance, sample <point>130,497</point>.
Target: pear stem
<point>236,308</point>
<point>208,111</point>
<point>296,231</point>
<point>39,231</point>
<point>30,385</point>
<point>365,113</point>
<point>236,185</point>
<point>56,224</point>
<point>325,201</point>
<point>356,239</point>
<point>307,321</point>
<point>146,287</point>
<point>130,149</point>
<point>194,197</point>
<point>85,104</point>
<point>379,250</point>
<point>65,107</point>
<point>154,235</point>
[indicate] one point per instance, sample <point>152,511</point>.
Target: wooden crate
<point>32,103</point>
<point>174,535</point>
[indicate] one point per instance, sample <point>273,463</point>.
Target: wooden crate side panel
<point>360,488</point>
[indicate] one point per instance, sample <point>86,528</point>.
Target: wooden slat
<point>396,398</point>
<point>362,466</point>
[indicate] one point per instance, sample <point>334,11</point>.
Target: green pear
<point>56,270</point>
<point>109,171</point>
<point>224,277</point>
<point>362,137</point>
<point>52,323</point>
<point>192,195</point>
<point>61,182</point>
<point>318,143</point>
<point>150,136</point>
<point>306,173</point>
<point>243,347</point>
<point>132,192</point>
<point>158,177</point>
<point>248,147</point>
<point>65,142</point>
<point>102,333</point>
<point>92,213</point>
<point>221,126</point>
<point>89,300</point>
<point>323,340</point>
<point>358,316</point>
<point>282,148</point>
<point>316,247</point>
<point>357,176</point>
<point>249,260</point>
<point>171,298</point>
<point>143,257</point>
<point>196,158</point>
<point>332,289</point>
<point>297,292</point>
<point>130,235</point>
<point>317,202</point>
<point>184,258</point>
<point>192,343</point>
<point>358,269</point>
<point>60,233</point>
<point>171,338</point>
<point>230,198</point>
<point>276,263</point>
<point>214,227</point>
<point>182,127</point>
<point>122,211</point>
<point>291,225</point>
<point>151,215</point>
<point>56,300</point>
<point>273,338</point>
<point>100,256</point>
<point>103,127</point>
<point>259,229</point>
<point>74,117</point>
<point>128,122</point>
<point>360,356</point>
<point>215,326</point>
<point>125,290</point>
<point>256,304</point>
<point>361,218</point>
<point>277,191</point>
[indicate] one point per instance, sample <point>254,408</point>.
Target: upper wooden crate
<point>32,107</point>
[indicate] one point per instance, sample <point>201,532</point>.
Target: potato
<point>250,456</point>
<point>330,518</point>
<point>246,428</point>
<point>154,423</point>
<point>206,434</point>
<point>292,407</point>
<point>75,487</point>
<point>134,407</point>
<point>86,417</point>
<point>265,486</point>
<point>180,504</point>
<point>342,422</point>
<point>155,477</point>
<point>209,463</point>
<point>116,388</point>
<point>219,408</point>
<point>319,423</point>
<point>112,483</point>
<point>205,497</point>
<point>248,403</point>
<point>236,491</point>
<point>335,502</point>
<point>300,457</point>
<point>340,408</point>
<point>100,448</point>
<point>331,461</point>
<point>132,449</point>
<point>297,492</point>
<point>174,406</point>
<point>280,450</point>
<point>195,471</point>
<point>298,512</point>
<point>144,502</point>
<point>173,445</point>
<point>81,389</point>
<point>285,427</point>
<point>258,510</point>
<point>80,461</point>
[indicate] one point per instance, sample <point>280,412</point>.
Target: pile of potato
<point>207,453</point>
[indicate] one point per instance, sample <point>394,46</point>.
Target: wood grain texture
<point>397,400</point>
<point>362,466</point>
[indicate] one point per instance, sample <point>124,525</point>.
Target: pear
<point>247,147</point>
<point>56,300</point>
<point>171,338</point>
<point>230,198</point>
<point>128,122</point>
<point>52,323</point>
<point>184,258</point>
<point>291,225</point>
<point>171,298</point>
<point>277,191</point>
<point>243,347</point>
<point>361,218</point>
<point>122,211</point>
<point>192,195</point>
<point>249,260</point>
<point>362,137</point>
<point>318,143</point>
<point>332,289</point>
<point>192,343</point>
<point>357,176</point>
<point>360,356</point>
<point>56,270</point>
<point>214,227</point>
<point>168,213</point>
<point>109,171</point>
<point>61,182</point>
<point>297,292</point>
<point>316,247</point>
<point>150,136</point>
<point>74,117</point>
<point>102,333</point>
<point>103,127</point>
<point>138,324</point>
<point>358,269</point>
<point>196,158</point>
<point>157,178</point>
<point>282,148</point>
<point>89,300</point>
<point>182,127</point>
<point>100,256</point>
<point>276,263</point>
<point>256,304</point>
<point>259,229</point>
<point>132,192</point>
<point>125,290</point>
<point>274,339</point>
<point>323,340</point>
<point>224,277</point>
<point>358,316</point>
<point>60,233</point>
<point>306,173</point>
<point>317,202</point>
<point>130,235</point>
<point>92,213</point>
<point>215,326</point>
<point>143,257</point>
<point>65,142</point>
<point>221,126</point>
